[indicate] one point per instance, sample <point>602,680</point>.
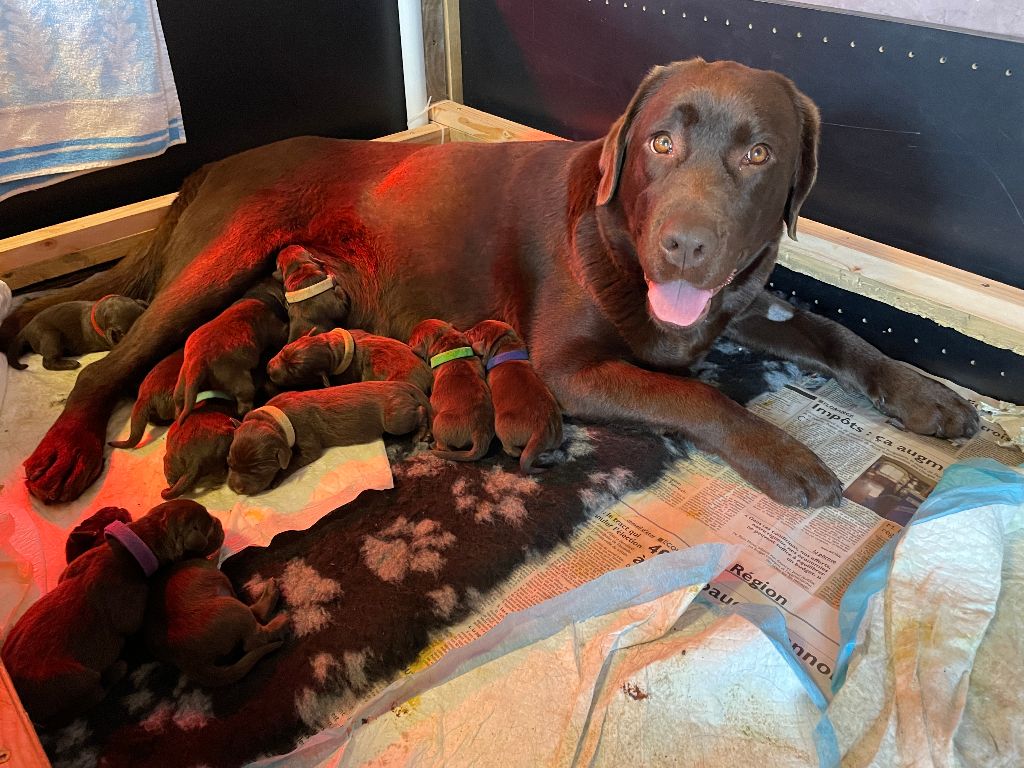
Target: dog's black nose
<point>688,246</point>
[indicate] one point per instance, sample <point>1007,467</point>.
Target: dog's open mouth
<point>680,303</point>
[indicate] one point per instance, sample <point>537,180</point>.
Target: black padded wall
<point>248,73</point>
<point>921,146</point>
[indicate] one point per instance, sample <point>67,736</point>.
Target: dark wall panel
<point>919,151</point>
<point>248,72</point>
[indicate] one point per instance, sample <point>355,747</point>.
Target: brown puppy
<point>527,418</point>
<point>461,400</point>
<point>620,260</point>
<point>75,328</point>
<point>194,620</point>
<point>155,402</point>
<point>294,428</point>
<point>197,444</point>
<point>89,533</point>
<point>63,654</point>
<point>224,352</point>
<point>344,357</point>
<point>314,302</point>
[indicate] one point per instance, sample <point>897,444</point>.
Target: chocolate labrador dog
<point>618,261</point>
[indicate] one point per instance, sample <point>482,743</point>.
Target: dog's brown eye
<point>759,154</point>
<point>662,143</point>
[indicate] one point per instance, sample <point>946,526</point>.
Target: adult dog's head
<point>701,171</point>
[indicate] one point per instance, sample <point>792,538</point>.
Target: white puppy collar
<point>281,418</point>
<point>294,297</point>
<point>350,349</point>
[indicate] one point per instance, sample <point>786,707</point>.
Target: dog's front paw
<point>66,462</point>
<point>786,470</point>
<point>922,404</point>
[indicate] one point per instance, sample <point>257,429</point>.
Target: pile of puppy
<point>344,387</point>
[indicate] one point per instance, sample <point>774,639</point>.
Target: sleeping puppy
<point>197,444</point>
<point>314,301</point>
<point>223,353</point>
<point>75,328</point>
<point>155,402</point>
<point>343,357</point>
<point>461,400</point>
<point>527,418</point>
<point>64,653</point>
<point>294,428</point>
<point>194,620</point>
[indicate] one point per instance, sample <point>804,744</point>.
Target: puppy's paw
<point>923,405</point>
<point>787,471</point>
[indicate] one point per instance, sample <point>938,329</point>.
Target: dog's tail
<point>140,418</point>
<point>213,675</point>
<point>187,390</point>
<point>136,275</point>
<point>540,441</point>
<point>181,485</point>
<point>481,444</point>
<point>15,351</point>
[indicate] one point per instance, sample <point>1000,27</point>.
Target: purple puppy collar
<point>507,357</point>
<point>136,546</point>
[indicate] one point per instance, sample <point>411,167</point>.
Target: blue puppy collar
<point>507,357</point>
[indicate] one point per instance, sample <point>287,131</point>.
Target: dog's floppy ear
<point>114,335</point>
<point>807,163</point>
<point>613,153</point>
<point>195,541</point>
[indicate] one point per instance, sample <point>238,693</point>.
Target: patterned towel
<point>83,85</point>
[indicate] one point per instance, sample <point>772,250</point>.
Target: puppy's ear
<point>195,541</point>
<point>284,456</point>
<point>114,336</point>
<point>277,275</point>
<point>613,153</point>
<point>807,163</point>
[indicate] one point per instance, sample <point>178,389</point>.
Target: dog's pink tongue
<point>678,302</point>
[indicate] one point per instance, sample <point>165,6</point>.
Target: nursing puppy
<point>314,302</point>
<point>64,653</point>
<point>197,445</point>
<point>460,399</point>
<point>194,619</point>
<point>155,402</point>
<point>343,357</point>
<point>527,418</point>
<point>294,428</point>
<point>223,353</point>
<point>75,328</point>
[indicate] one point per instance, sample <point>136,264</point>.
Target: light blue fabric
<point>967,485</point>
<point>83,85</point>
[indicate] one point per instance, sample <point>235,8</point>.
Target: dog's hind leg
<point>266,603</point>
<point>52,350</point>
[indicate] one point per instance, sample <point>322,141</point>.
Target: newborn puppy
<point>64,653</point>
<point>194,620</point>
<point>294,428</point>
<point>343,357</point>
<point>156,399</point>
<point>197,444</point>
<point>223,353</point>
<point>527,418</point>
<point>75,328</point>
<point>315,303</point>
<point>89,533</point>
<point>461,400</point>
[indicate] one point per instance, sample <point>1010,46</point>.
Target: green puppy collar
<point>452,354</point>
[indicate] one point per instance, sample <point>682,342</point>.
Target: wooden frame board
<point>978,307</point>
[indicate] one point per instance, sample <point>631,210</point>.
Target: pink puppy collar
<point>137,547</point>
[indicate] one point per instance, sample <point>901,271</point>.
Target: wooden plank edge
<point>102,237</point>
<point>469,124</point>
<point>453,49</point>
<point>984,309</point>
<point>19,744</point>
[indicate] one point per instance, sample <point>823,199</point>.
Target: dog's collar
<point>282,420</point>
<point>507,357</point>
<point>350,349</point>
<point>213,394</point>
<point>136,547</point>
<point>452,354</point>
<point>294,297</point>
<point>92,315</point>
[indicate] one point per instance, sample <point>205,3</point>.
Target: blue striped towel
<point>83,85</point>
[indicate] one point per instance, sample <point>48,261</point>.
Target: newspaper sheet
<point>798,560</point>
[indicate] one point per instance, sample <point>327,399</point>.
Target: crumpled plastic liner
<point>32,534</point>
<point>633,668</point>
<point>933,632</point>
